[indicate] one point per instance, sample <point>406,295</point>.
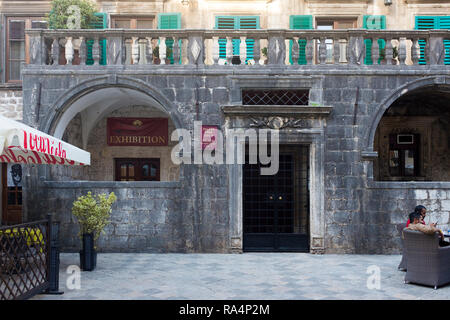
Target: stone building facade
<point>344,174</point>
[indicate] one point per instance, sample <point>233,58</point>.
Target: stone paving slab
<point>260,276</point>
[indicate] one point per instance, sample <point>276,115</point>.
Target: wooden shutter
<point>100,23</point>
<point>170,21</point>
<point>236,22</point>
<point>297,22</point>
<point>374,23</point>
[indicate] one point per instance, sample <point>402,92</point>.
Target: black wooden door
<point>276,207</point>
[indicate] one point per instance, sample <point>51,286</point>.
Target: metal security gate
<point>29,259</point>
<point>276,207</point>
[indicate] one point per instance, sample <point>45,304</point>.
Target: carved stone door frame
<point>297,125</point>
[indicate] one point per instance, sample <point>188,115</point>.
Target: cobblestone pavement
<point>277,276</point>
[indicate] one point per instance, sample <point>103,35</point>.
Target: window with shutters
<point>433,22</point>
<point>17,44</point>
<point>374,23</point>
<point>170,21</point>
<point>298,22</point>
<point>233,23</point>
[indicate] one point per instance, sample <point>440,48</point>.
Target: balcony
<point>355,48</point>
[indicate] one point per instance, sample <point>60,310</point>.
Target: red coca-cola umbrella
<point>20,143</point>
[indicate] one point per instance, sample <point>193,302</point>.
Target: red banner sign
<point>137,131</point>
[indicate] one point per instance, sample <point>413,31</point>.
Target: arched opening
<point>127,133</point>
<point>412,138</point>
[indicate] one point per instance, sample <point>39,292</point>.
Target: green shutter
<point>170,21</point>
<point>374,23</point>
<point>444,23</point>
<point>100,23</point>
<point>248,23</point>
<point>424,23</point>
<point>226,23</point>
<point>433,22</point>
<point>236,22</point>
<point>297,22</point>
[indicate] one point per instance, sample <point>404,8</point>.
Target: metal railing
<point>25,251</point>
<point>257,48</point>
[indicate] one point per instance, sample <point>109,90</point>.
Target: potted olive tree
<point>157,60</point>
<point>92,213</point>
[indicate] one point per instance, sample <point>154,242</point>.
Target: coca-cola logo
<point>35,142</point>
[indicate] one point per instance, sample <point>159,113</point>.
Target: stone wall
<point>11,105</point>
<point>194,215</point>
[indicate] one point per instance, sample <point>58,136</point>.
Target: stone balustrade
<point>275,47</point>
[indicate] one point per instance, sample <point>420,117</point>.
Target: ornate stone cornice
<point>277,122</point>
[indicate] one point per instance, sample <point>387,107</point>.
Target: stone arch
<point>67,100</point>
<point>386,103</point>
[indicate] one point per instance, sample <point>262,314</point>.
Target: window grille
<point>275,97</point>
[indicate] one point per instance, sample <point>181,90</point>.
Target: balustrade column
<point>375,54</point>
<point>256,51</point>
<point>215,50</point>
<point>135,50</point>
<point>82,51</point>
<point>243,49</point>
<point>309,50</point>
<point>322,50</point>
<point>295,51</point>
<point>55,51</point>
<point>336,50</point>
<point>68,53</point>
<point>402,51</point>
<point>229,50</point>
<point>162,50</point>
<point>149,51</point>
<point>415,51</point>
<point>388,51</point>
<point>176,51</point>
<point>96,51</point>
<point>343,56</point>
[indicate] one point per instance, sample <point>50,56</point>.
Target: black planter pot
<point>88,256</point>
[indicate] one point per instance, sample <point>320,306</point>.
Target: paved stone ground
<point>277,276</point>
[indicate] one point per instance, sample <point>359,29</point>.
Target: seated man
<point>430,229</point>
<point>423,212</point>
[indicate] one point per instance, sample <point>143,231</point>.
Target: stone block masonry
<point>11,103</point>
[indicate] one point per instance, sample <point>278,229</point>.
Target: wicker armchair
<point>428,264</point>
<point>402,265</point>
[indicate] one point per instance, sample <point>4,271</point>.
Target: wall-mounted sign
<point>209,134</point>
<point>137,131</point>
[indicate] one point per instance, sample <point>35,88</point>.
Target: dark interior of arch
<point>425,114</point>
